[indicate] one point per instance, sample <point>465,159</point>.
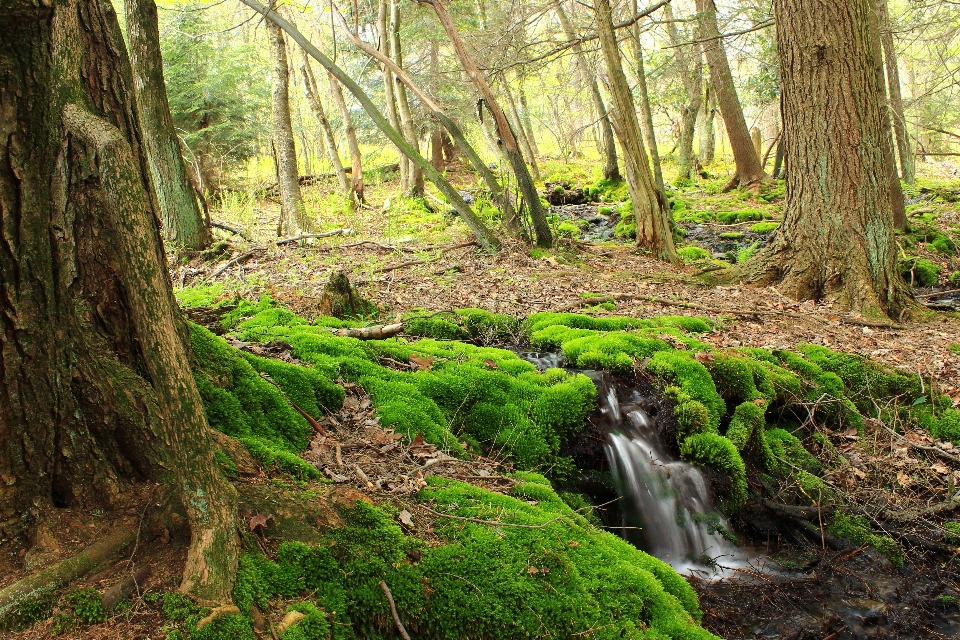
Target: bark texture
<point>649,208</point>
<point>293,213</point>
<point>414,185</point>
<point>908,167</point>
<point>708,137</point>
<point>182,221</point>
<point>836,241</point>
<point>749,173</point>
<point>356,158</point>
<point>611,170</point>
<point>96,390</point>
<point>646,123</point>
<point>691,74</point>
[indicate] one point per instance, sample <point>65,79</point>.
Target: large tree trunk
<point>507,139</point>
<point>293,213</point>
<point>749,173</point>
<point>313,97</point>
<point>908,167</point>
<point>611,171</point>
<point>182,221</point>
<point>649,207</point>
<point>836,241</point>
<point>691,74</point>
<point>97,391</point>
<point>414,186</point>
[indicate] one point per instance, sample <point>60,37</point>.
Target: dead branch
<point>234,230</point>
<point>310,419</point>
<point>304,236</point>
<point>370,333</point>
<point>393,611</point>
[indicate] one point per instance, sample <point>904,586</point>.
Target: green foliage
<point>484,580</point>
<point>177,607</point>
<point>744,215</point>
<point>857,530</point>
<point>731,235</point>
<point>87,605</point>
<point>27,611</point>
<point>764,227</point>
<point>313,626</point>
<point>627,227</point>
<point>954,348</point>
<point>919,272</point>
<point>690,386</point>
<point>607,191</point>
<point>205,295</point>
<point>567,229</point>
<point>693,254</point>
<point>952,532</point>
<point>747,252</point>
<point>716,451</point>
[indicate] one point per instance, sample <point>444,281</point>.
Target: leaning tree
<point>836,241</point>
<point>95,387</point>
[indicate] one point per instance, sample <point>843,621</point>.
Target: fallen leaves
<point>259,521</point>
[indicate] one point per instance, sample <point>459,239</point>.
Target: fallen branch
<point>304,236</point>
<point>393,611</point>
<point>234,230</point>
<point>129,585</point>
<point>240,258</point>
<point>68,570</point>
<point>310,419</point>
<point>370,333</point>
<point>916,445</point>
<point>413,263</point>
<point>492,523</point>
<point>938,293</point>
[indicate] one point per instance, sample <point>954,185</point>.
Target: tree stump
<point>339,300</point>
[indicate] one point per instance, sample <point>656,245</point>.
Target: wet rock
<point>869,612</point>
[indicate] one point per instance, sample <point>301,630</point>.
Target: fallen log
<point>370,333</point>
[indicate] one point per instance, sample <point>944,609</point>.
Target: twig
<point>240,258</point>
<point>916,445</point>
<point>938,293</point>
<point>412,263</point>
<point>493,523</point>
<point>393,611</point>
<point>234,230</point>
<point>304,236</point>
<point>310,419</point>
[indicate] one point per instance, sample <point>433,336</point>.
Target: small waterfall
<point>665,503</point>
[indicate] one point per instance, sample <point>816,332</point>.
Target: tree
<point>97,388</point>
<point>691,74</point>
<point>313,98</point>
<point>507,138</point>
<point>749,172</point>
<point>293,213</point>
<point>611,171</point>
<point>836,241</point>
<point>649,207</point>
<point>182,223</point>
<point>907,165</point>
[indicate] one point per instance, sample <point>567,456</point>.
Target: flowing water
<point>665,503</point>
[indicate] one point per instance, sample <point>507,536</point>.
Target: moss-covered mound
<point>555,574</point>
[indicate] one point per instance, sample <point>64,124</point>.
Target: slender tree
<point>708,136</point>
<point>356,158</point>
<point>646,122</point>
<point>649,207</point>
<point>330,141</point>
<point>836,241</point>
<point>749,173</point>
<point>183,223</point>
<point>97,390</point>
<point>611,171</point>
<point>383,31</point>
<point>908,167</point>
<point>293,213</point>
<point>691,74</point>
<point>507,139</point>
<point>414,186</point>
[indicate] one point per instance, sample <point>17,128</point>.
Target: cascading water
<point>665,503</point>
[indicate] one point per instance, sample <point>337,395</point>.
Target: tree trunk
<point>182,222</point>
<point>383,30</point>
<point>836,241</point>
<point>414,187</point>
<point>356,159</point>
<point>525,118</point>
<point>518,126</point>
<point>649,207</point>
<point>486,239</point>
<point>908,167</point>
<point>507,140</point>
<point>293,214</point>
<point>97,388</point>
<point>691,74</point>
<point>708,137</point>
<point>611,171</point>
<point>749,173</point>
<point>647,122</point>
<point>313,97</point>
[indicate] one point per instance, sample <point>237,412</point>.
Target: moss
<point>857,530</point>
<point>952,532</point>
<point>787,447</point>
<point>943,244</point>
<point>731,235</point>
<point>481,580</point>
<point>744,215</point>
<point>747,432</point>
<point>716,451</point>
<point>954,277</point>
<point>487,327</point>
<point>201,296</point>
<point>693,254</point>
<point>919,272</point>
<point>764,227</point>
<point>690,385</point>
<point>567,229</point>
<point>313,626</point>
<point>607,191</point>
<point>439,326</point>
<point>942,422</point>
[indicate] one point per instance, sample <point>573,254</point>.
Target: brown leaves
<point>704,357</point>
<point>490,364</point>
<point>421,362</point>
<point>259,521</point>
<point>406,518</point>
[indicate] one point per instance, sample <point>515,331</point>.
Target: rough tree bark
<point>356,158</point>
<point>836,241</point>
<point>749,173</point>
<point>96,390</point>
<point>611,171</point>
<point>293,213</point>
<point>182,221</point>
<point>507,139</point>
<point>708,136</point>
<point>313,97</point>
<point>691,74</point>
<point>486,239</point>
<point>649,207</point>
<point>908,167</point>
<point>646,122</point>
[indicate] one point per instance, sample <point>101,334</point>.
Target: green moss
<point>744,215</point>
<point>690,385</point>
<point>919,272</point>
<point>857,530</point>
<point>952,532</point>
<point>943,244</point>
<point>954,348</point>
<point>201,296</point>
<point>954,277</point>
<point>313,626</point>
<point>716,451</point>
<point>746,253</point>
<point>438,326</point>
<point>693,254</point>
<point>567,229</point>
<point>731,235</point>
<point>747,432</point>
<point>764,227</point>
<point>482,580</point>
<point>607,191</point>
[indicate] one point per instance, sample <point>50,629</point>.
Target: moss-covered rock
<point>857,530</point>
<point>920,272</point>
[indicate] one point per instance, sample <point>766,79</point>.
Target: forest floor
<point>405,258</point>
